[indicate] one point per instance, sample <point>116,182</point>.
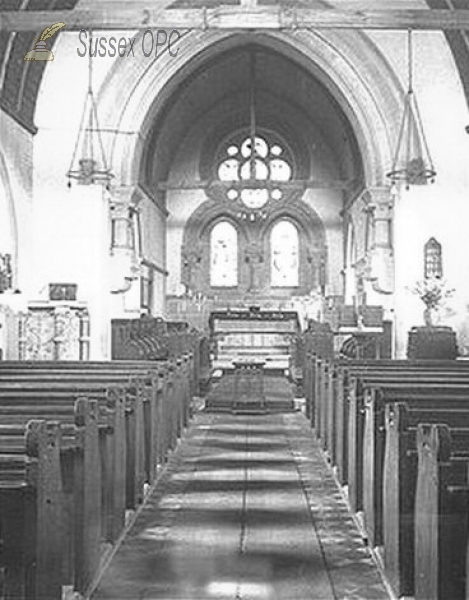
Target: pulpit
<point>248,389</point>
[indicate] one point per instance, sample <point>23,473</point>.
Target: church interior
<point>234,316</point>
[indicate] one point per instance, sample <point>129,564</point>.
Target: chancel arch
<point>370,95</point>
<point>307,92</point>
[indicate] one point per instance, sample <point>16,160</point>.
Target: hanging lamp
<point>88,165</point>
<point>412,161</point>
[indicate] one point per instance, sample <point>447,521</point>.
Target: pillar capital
<point>123,197</point>
<point>380,200</point>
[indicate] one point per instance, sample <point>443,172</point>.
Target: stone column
<point>380,252</point>
<point>254,258</point>
<point>191,271</point>
<point>124,253</point>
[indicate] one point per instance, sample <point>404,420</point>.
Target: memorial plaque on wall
<point>63,291</point>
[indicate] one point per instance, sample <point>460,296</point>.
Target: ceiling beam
<point>115,15</point>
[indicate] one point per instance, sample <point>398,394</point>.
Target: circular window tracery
<point>248,169</point>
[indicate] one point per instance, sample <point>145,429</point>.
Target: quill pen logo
<point>41,51</point>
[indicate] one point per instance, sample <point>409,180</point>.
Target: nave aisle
<point>246,510</point>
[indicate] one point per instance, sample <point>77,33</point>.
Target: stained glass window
<point>224,255</point>
<point>284,246</point>
<point>238,163</point>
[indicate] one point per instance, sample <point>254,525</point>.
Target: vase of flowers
<point>433,291</point>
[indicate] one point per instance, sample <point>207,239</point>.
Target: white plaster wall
<point>15,219</point>
<point>71,226</point>
<point>440,210</point>
<point>16,150</point>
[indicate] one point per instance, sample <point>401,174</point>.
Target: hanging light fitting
<point>412,161</point>
<point>88,165</point>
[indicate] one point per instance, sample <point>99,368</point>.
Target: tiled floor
<point>247,510</point>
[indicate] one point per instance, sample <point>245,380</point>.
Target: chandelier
<point>88,165</point>
<point>412,161</point>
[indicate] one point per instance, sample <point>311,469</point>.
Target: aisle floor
<point>247,509</point>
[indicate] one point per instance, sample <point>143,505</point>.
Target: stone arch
<point>368,92</point>
<point>8,215</point>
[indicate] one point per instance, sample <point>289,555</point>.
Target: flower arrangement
<point>433,291</point>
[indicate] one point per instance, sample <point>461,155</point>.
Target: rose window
<point>256,174</point>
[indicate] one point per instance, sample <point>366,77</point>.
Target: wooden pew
<point>441,516</point>
<point>37,521</point>
<point>122,413</point>
<point>361,420</point>
<point>142,428</point>
<point>400,478</point>
<point>142,410</point>
<point>165,413</point>
<point>340,404</point>
<point>178,415</point>
<point>160,413</point>
<point>348,405</point>
<point>349,399</point>
<point>372,448</point>
<point>316,366</point>
<point>17,410</point>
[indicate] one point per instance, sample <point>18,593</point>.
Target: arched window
<point>224,255</point>
<point>284,248</point>
<point>433,259</point>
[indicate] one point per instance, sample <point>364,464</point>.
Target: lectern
<point>248,389</point>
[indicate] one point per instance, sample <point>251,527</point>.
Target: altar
<point>265,336</point>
